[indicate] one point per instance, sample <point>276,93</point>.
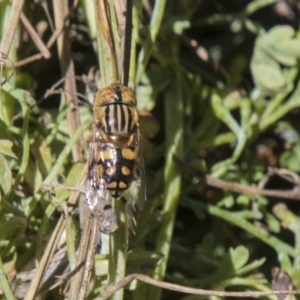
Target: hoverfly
<point>116,165</point>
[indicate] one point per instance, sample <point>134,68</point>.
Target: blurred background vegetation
<point>217,84</point>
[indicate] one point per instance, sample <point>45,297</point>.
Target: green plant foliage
<point>6,177</point>
<point>273,49</point>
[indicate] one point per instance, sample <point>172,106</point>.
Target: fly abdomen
<point>117,168</point>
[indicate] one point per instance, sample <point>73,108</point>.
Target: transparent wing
<point>95,185</point>
<point>142,175</point>
<point>97,195</point>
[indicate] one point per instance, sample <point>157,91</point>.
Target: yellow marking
<point>105,95</point>
<point>135,116</point>
<point>112,185</point>
<point>106,154</point>
<point>128,154</point>
<point>122,185</point>
<point>111,170</point>
<point>104,136</point>
<point>100,169</point>
<point>128,95</point>
<point>98,113</point>
<point>125,170</point>
<point>90,138</point>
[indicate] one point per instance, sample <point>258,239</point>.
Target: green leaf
<point>280,43</point>
<point>262,201</point>
<point>5,175</point>
<point>243,200</point>
<point>5,148</point>
<point>33,175</point>
<point>276,47</point>
<point>273,223</point>
<point>181,25</point>
<point>72,178</point>
<point>287,53</point>
<point>252,266</point>
<point>287,217</point>
<point>13,227</point>
<point>226,202</point>
<point>278,34</point>
<point>290,159</point>
<point>239,257</point>
<point>71,242</point>
<point>268,77</point>
<point>285,262</point>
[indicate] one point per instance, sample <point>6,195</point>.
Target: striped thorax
<point>116,115</point>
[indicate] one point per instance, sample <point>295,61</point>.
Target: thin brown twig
<point>286,174</point>
<point>62,91</point>
<point>28,60</point>
<point>35,37</point>
<point>49,44</point>
<point>45,7</point>
<point>38,56</point>
<point>65,277</point>
<point>54,90</point>
<point>110,290</point>
<point>93,242</point>
<point>293,194</point>
<point>48,253</point>
<point>76,281</point>
<point>61,12</point>
<point>147,7</point>
<point>48,94</point>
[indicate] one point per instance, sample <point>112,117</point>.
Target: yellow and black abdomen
<point>116,167</point>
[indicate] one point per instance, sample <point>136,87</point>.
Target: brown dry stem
<point>293,194</point>
<point>110,290</point>
<point>61,12</point>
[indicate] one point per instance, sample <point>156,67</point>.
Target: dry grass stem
<point>61,12</point>
<point>293,194</point>
<point>35,37</point>
<point>110,290</point>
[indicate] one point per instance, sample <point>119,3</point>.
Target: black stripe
<point>123,118</point>
<point>130,120</point>
<point>118,94</point>
<point>119,156</point>
<point>107,109</point>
